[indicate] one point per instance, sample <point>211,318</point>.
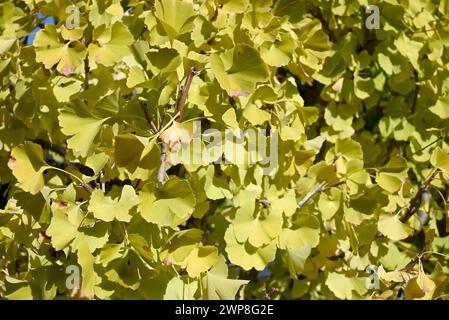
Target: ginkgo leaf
<point>259,230</point>
<point>90,278</point>
<point>170,206</point>
<point>180,245</point>
<point>82,131</point>
<point>246,255</point>
<point>110,44</point>
<point>393,228</point>
<point>175,16</point>
<point>64,226</point>
<point>68,56</point>
<point>344,287</point>
<point>239,69</point>
<point>178,133</point>
<point>107,209</point>
<point>393,175</point>
<point>215,187</point>
<point>128,151</point>
<point>440,159</point>
<point>179,288</point>
<point>278,52</point>
<point>306,234</point>
<point>6,44</point>
<point>255,115</point>
<point>218,285</point>
<point>200,260</point>
<point>420,288</point>
<point>230,119</point>
<point>297,259</point>
<point>28,165</point>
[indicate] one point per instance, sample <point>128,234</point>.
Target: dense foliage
<point>93,116</point>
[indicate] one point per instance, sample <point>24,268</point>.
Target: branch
<point>415,204</point>
<point>86,43</point>
<point>86,72</point>
<point>161,171</point>
<point>179,109</point>
<point>87,187</point>
<point>415,96</point>
<point>314,191</point>
<point>185,92</point>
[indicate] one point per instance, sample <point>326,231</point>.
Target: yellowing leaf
<point>61,230</point>
<point>255,115</point>
<point>420,287</point>
<point>179,288</point>
<point>90,278</point>
<point>247,256</point>
<point>108,209</point>
<point>257,230</point>
<point>307,234</point>
<point>200,260</point>
<point>230,119</point>
<point>393,175</point>
<point>27,165</point>
<point>297,259</point>
<point>110,44</point>
<point>175,16</point>
<point>393,228</point>
<point>178,133</point>
<point>440,159</point>
<point>170,206</point>
<point>82,131</point>
<point>217,283</point>
<point>50,51</point>
<point>343,287</point>
<point>239,69</point>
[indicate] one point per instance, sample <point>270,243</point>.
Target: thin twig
<point>424,148</point>
<point>148,117</point>
<point>314,191</point>
<point>415,204</point>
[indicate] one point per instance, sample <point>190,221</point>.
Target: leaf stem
<point>83,184</point>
